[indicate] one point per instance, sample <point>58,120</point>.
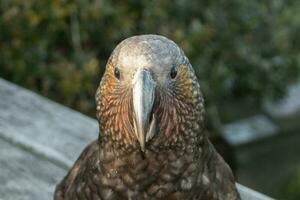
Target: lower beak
<point>143,100</point>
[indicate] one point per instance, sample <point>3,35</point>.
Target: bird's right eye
<point>117,73</point>
<point>173,72</point>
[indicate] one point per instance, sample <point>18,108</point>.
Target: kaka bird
<point>152,143</point>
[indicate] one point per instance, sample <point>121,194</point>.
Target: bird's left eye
<point>117,73</point>
<point>173,72</point>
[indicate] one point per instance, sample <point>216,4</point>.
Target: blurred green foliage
<point>291,189</point>
<point>240,49</point>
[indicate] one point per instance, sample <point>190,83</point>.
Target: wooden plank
<point>42,125</point>
<point>248,130</point>
<point>249,194</point>
<point>26,176</point>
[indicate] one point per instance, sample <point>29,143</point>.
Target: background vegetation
<point>238,48</point>
<point>241,50</point>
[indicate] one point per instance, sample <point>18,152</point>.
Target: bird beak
<point>143,100</point>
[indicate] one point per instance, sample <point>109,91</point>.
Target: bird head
<point>149,96</point>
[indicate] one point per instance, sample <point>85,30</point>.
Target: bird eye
<point>117,73</point>
<point>173,72</point>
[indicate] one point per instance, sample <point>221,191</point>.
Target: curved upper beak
<point>143,100</point>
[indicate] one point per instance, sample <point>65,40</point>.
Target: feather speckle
<point>177,160</point>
